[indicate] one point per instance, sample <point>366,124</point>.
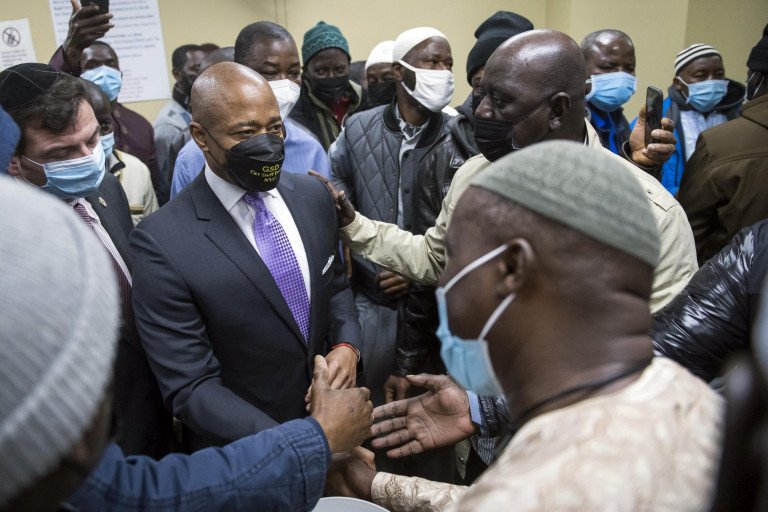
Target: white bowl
<point>346,505</point>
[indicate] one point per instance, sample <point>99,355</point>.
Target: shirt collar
<point>228,193</point>
<point>409,131</point>
<point>88,208</point>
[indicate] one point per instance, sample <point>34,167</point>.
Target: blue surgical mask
<point>611,90</point>
<point>109,80</point>
<point>108,143</point>
<point>468,361</point>
<point>79,177</point>
<point>704,96</point>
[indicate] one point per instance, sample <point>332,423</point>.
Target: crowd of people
<point>317,277</point>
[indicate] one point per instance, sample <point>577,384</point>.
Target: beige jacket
<point>422,257</point>
<point>134,176</point>
<point>653,445</point>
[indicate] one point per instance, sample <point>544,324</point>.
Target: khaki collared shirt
<point>422,257</point>
<point>134,177</point>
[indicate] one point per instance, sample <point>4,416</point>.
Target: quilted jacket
<point>365,164</point>
<point>712,317</point>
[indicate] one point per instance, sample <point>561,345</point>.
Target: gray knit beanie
<point>58,332</point>
<point>579,187</point>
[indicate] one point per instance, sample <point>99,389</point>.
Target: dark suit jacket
<point>143,424</point>
<point>228,355</point>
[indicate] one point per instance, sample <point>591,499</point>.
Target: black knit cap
<point>490,34</point>
<point>758,57</point>
<point>22,83</point>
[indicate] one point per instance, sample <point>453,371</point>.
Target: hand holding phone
<point>103,5</point>
<point>653,109</point>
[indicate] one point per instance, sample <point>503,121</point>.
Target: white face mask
<point>287,94</point>
<point>434,87</point>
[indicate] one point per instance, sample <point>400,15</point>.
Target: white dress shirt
<point>231,197</point>
<point>103,236</point>
<point>694,123</point>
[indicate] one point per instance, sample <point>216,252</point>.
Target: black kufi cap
<point>490,34</point>
<point>22,83</point>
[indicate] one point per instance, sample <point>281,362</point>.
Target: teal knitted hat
<point>321,37</point>
<point>579,187</point>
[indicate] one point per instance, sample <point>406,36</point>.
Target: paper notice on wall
<point>16,44</point>
<point>137,38</point>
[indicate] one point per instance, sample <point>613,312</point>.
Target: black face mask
<point>381,93</point>
<point>256,163</point>
<point>495,138</point>
<point>476,100</point>
<point>330,90</point>
<point>185,83</point>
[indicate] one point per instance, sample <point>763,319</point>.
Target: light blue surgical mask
<point>611,90</point>
<point>704,96</point>
<point>79,177</point>
<point>468,361</point>
<point>109,80</point>
<point>108,143</point>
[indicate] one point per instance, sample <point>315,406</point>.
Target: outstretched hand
<point>344,414</point>
<point>439,417</point>
<point>86,25</point>
<point>660,148</point>
<point>345,212</point>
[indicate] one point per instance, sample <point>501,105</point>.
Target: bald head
<point>536,82</point>
<point>546,59</point>
<point>608,51</point>
<point>226,54</point>
<point>230,104</point>
<point>224,85</point>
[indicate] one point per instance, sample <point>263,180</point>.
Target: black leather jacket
<point>713,315</point>
<point>418,349</point>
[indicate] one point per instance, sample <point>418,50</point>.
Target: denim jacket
<point>282,468</point>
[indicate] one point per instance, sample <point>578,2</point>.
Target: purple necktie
<point>276,252</point>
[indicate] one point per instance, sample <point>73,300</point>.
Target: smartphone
<point>103,5</point>
<point>653,109</point>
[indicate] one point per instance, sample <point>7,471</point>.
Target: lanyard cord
<point>521,418</point>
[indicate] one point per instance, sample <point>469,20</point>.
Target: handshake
<point>345,415</point>
<point>439,417</point>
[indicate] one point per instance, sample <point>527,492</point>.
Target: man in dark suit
<point>60,151</point>
<point>237,281</point>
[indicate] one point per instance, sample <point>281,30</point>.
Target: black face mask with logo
<point>255,164</point>
<point>330,90</point>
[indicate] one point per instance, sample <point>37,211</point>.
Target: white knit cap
<point>381,54</point>
<point>693,52</point>
<point>60,316</point>
<point>410,38</point>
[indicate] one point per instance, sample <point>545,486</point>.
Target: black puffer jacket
<point>713,315</point>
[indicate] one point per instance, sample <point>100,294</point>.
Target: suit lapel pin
<point>102,202</point>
